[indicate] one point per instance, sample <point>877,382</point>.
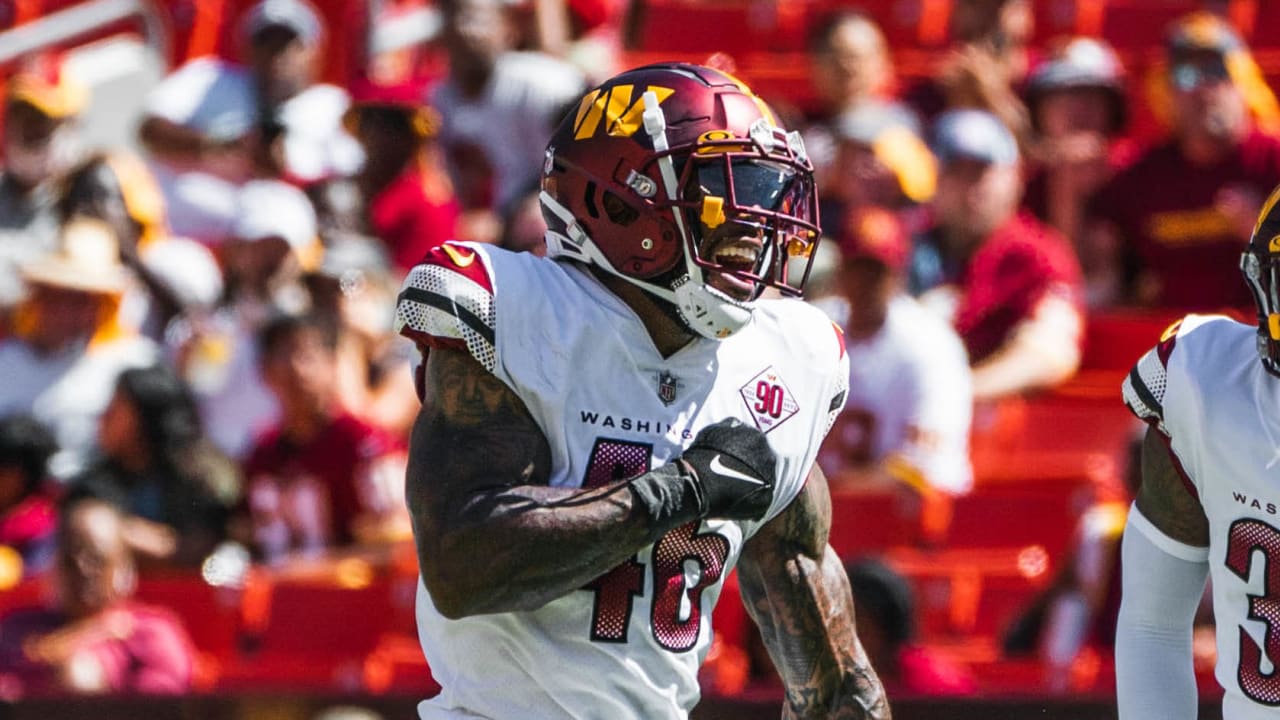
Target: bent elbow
<point>446,595</point>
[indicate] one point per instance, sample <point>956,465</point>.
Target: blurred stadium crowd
<point>206,207</point>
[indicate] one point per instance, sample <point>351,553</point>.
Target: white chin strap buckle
<point>709,312</point>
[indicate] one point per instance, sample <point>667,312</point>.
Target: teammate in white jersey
<point>607,432</point>
<point>1207,506</point>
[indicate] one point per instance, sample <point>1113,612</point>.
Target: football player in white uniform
<point>607,432</point>
<point>1207,506</point>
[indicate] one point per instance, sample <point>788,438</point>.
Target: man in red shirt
<point>409,200</point>
<point>1010,284</point>
<point>96,639</point>
<point>1176,220</point>
<point>321,478</point>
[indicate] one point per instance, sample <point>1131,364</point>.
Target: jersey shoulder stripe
<point>447,300</point>
<point>1144,388</point>
<point>1147,385</point>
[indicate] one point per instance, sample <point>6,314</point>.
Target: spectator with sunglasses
<point>1177,247</point>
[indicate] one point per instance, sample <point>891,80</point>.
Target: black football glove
<point>727,472</point>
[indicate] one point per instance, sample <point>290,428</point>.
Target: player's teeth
<point>743,253</point>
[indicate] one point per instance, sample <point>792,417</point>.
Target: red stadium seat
<point>868,522</point>
<point>970,592</point>
<point>315,632</point>
<point>1142,24</point>
<point>1016,515</point>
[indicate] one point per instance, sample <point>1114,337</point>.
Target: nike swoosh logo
<point>462,257</point>
<point>720,468</point>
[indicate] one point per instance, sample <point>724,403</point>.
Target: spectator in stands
<point>885,611</point>
<point>355,289</point>
<point>220,119</point>
<point>1010,285</point>
<point>880,161</point>
<point>321,478</point>
<point>407,195</point>
<point>177,275</point>
<point>39,143</point>
<point>905,422</point>
<point>155,453</point>
<point>585,33</point>
<point>69,345</point>
<point>273,242</point>
<point>95,639</point>
<point>28,519</point>
<point>498,106</point>
<point>302,117</point>
<point>851,73</point>
<point>989,61</point>
<point>1178,246</point>
<point>1078,110</point>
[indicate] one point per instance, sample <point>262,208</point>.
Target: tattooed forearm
<point>491,535</point>
<point>1164,499</point>
<point>800,598</point>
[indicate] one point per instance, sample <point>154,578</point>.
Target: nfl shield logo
<point>667,384</point>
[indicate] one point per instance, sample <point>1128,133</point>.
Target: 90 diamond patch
<point>768,399</point>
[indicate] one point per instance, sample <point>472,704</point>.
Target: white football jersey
<point>629,644</point>
<point>1204,387</point>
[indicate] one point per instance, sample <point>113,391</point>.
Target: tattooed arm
<point>795,588</point>
<point>1164,560</point>
<point>1164,499</point>
<point>491,535</point>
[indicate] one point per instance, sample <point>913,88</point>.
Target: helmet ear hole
<point>589,199</point>
<point>618,211</point>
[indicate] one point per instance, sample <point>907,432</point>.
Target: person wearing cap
<point>283,40</point>
<point>1078,108</point>
<point>68,345</point>
<point>497,105</point>
<point>409,203</point>
<point>1010,285</point>
<point>39,143</point>
<point>906,420</point>
<point>268,115</point>
<point>880,161</point>
<point>273,243</point>
<point>1177,246</point>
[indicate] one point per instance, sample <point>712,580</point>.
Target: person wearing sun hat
<point>68,346</point>
<point>906,420</point>
<point>1180,250</point>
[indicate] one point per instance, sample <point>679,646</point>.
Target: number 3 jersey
<point>629,644</point>
<point>1205,389</point>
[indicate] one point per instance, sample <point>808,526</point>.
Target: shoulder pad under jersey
<point>447,301</point>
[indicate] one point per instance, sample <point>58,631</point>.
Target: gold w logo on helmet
<point>621,108</point>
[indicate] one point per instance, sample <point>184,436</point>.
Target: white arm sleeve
<point>1163,582</point>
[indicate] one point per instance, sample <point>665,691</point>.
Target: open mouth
<point>735,255</point>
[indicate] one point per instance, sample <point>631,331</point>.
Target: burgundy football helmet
<point>1260,264</point>
<point>672,176</point>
